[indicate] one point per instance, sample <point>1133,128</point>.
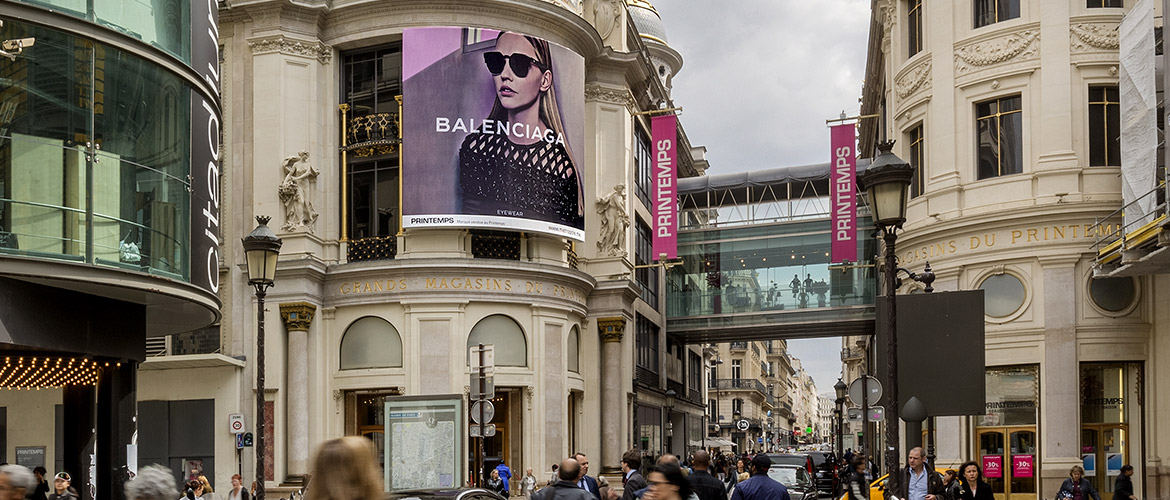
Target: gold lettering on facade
<point>1017,237</point>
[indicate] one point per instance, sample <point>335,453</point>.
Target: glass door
<point>1103,449</point>
<point>1020,466</point>
<point>991,451</point>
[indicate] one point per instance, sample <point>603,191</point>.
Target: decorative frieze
<point>284,45</point>
<point>917,78</point>
<point>1013,47</point>
<point>1093,37</point>
<point>598,93</point>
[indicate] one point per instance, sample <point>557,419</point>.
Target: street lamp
<point>261,247</point>
<point>670,395</point>
<point>841,389</point>
<point>886,182</point>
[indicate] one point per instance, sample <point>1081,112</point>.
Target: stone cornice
<point>297,315</point>
<point>599,93</point>
<point>1014,46</point>
<point>284,45</point>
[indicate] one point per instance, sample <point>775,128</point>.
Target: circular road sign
<point>875,390</point>
<point>489,411</point>
<point>742,424</point>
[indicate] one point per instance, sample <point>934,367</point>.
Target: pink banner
<point>842,178</point>
<point>1021,465</point>
<point>992,466</point>
<point>664,134</point>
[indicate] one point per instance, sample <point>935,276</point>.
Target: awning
<point>713,443</point>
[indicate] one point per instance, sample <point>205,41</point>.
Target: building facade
<point>109,223</point>
<point>371,304</point>
<point>1009,113</point>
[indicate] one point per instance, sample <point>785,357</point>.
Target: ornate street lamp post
<point>886,182</point>
<point>841,389</point>
<point>262,247</point>
<point>670,395</point>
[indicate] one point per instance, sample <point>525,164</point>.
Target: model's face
<point>514,92</point>
<point>971,474</point>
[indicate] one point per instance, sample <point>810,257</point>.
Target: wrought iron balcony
<point>849,353</point>
<point>739,346</point>
<point>374,134</point>
<point>373,248</point>
<point>747,384</point>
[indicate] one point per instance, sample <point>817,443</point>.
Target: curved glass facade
<point>94,155</point>
<point>161,23</point>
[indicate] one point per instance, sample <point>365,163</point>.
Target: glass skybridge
<point>755,261</point>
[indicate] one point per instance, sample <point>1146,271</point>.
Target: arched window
<point>371,343</point>
<point>511,348</point>
<point>574,361</point>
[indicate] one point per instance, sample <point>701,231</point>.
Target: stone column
<point>1059,422</point>
<point>297,317</point>
<point>613,401</point>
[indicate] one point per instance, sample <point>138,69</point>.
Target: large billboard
<point>205,130</point>
<point>493,124</point>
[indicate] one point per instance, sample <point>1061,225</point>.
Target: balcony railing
<point>373,248</point>
<point>374,134</point>
<point>749,384</point>
<point>849,353</point>
<point>739,346</point>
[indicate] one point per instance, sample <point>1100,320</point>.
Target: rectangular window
<point>371,79</point>
<point>695,372</point>
<point>647,337</point>
<point>914,23</point>
<point>1104,126</point>
<point>999,133</point>
<point>643,163</point>
<point>736,369</point>
<point>917,160</point>
<point>1094,4</point>
<point>737,406</point>
<point>646,277</point>
<point>993,11</point>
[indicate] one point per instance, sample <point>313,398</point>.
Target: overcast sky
<point>758,81</point>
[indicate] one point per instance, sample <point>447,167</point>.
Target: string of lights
<point>35,373</point>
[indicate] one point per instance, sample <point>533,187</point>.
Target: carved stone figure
<point>295,191</point>
<point>606,16</point>
<point>614,221</point>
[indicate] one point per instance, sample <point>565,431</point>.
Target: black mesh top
<point>502,178</point>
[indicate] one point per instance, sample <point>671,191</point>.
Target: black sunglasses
<point>519,63</point>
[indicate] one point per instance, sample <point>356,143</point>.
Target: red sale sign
<point>992,466</point>
<point>1022,466</point>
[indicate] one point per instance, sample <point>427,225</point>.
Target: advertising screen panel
<point>493,132</point>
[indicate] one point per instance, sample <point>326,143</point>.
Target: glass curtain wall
<point>94,155</point>
<point>160,23</point>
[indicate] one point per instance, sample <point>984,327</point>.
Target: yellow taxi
<point>878,487</point>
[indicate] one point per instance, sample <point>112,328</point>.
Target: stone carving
<point>614,221</point>
<point>915,79</point>
<point>606,14</point>
<point>611,329</point>
<point>1086,37</point>
<point>602,94</point>
<point>295,192</point>
<point>323,53</point>
<point>887,17</point>
<point>297,315</point>
<point>1016,46</point>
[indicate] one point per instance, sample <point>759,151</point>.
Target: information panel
<point>424,442</point>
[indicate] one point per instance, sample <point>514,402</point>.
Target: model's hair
<point>344,469</point>
<point>18,476</point>
<point>1076,469</point>
<point>963,472</point>
<point>674,475</point>
<point>153,482</point>
<point>549,111</point>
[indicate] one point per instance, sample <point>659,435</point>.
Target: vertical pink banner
<point>664,142</point>
<point>843,189</point>
<point>993,466</point>
<point>1021,465</point>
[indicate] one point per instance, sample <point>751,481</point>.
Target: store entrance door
<point>1103,453</point>
<point>365,415</point>
<point>1010,469</point>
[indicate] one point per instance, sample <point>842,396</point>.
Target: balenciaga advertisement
<point>494,123</point>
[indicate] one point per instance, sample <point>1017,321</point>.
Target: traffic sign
<point>247,437</point>
<point>760,440</point>
<point>488,411</point>
<point>489,356</point>
<point>874,387</point>
<point>239,441</point>
<point>808,431</point>
<point>742,424</point>
<point>236,423</point>
<point>489,386</point>
<point>877,414</point>
<point>489,430</point>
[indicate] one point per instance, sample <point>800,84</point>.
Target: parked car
<point>825,471</point>
<point>444,494</point>
<point>800,459</point>
<point>796,478</point>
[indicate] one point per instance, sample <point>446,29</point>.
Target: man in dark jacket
<point>566,486</point>
<point>703,484</point>
<point>632,479</point>
<point>1123,489</point>
<point>585,481</point>
<point>760,486</point>
<point>915,481</point>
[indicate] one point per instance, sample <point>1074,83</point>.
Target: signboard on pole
<point>843,193</point>
<point>664,147</point>
<point>236,423</point>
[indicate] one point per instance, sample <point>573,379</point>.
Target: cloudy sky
<point>758,81</point>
